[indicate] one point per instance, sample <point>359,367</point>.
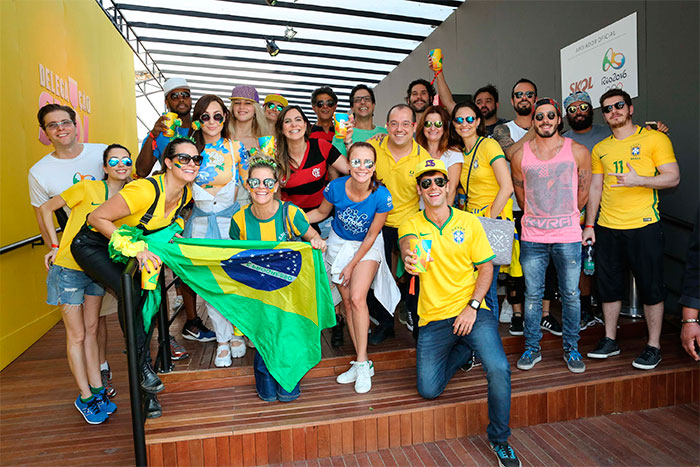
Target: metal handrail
<point>36,240</point>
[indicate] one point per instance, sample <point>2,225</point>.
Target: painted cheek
<point>177,164</point>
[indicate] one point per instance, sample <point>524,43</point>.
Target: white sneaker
<point>506,312</point>
<point>365,371</point>
<point>221,362</point>
<point>350,376</point>
<point>237,347</point>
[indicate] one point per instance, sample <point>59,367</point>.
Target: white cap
<point>174,83</point>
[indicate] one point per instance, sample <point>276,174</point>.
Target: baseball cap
<point>576,97</point>
<point>276,98</point>
<point>174,83</point>
<point>548,101</point>
<point>430,165</point>
<point>245,91</point>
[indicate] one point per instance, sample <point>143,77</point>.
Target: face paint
<point>177,164</point>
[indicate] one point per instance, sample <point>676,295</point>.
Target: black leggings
<point>90,251</point>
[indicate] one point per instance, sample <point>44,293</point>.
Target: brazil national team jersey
<point>630,207</point>
<point>82,198</point>
<point>482,183</point>
<point>245,226</point>
<point>448,282</point>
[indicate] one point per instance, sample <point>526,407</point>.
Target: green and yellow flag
<point>277,294</point>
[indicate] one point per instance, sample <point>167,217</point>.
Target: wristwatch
<point>474,303</point>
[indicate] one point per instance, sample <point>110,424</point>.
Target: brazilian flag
<point>276,293</point>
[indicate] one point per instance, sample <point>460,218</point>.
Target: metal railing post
<point>137,415</point>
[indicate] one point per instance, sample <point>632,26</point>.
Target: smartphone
<point>652,125</point>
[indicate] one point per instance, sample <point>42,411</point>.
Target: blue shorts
<point>69,287</point>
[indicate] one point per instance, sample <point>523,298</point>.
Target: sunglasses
<point>114,161</point>
<point>355,163</point>
<point>180,95</point>
<point>273,106</point>
<point>551,115</point>
<point>461,120</point>
<point>528,94</point>
<point>360,99</point>
<point>268,183</point>
<point>205,117</point>
<point>439,181</point>
<point>582,107</point>
<point>185,159</point>
<point>429,124</point>
<point>328,103</point>
<point>62,123</point>
<point>618,105</point>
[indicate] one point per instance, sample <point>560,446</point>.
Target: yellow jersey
<point>398,178</point>
<point>139,196</point>
<point>82,198</point>
<point>481,182</point>
<point>456,248</point>
<point>630,207</point>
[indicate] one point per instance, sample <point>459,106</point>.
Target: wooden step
<point>210,424</point>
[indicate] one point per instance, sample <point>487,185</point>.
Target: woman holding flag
<point>149,204</point>
<point>355,255</point>
<point>269,219</point>
<point>214,192</point>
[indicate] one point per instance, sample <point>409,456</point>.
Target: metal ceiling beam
<point>269,21</point>
<point>260,49</point>
<point>247,35</point>
<point>343,89</point>
<point>271,72</point>
<point>347,11</point>
<point>271,61</point>
<point>448,3</point>
<point>258,70</point>
<point>249,78</point>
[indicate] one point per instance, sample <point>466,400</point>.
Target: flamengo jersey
<point>306,183</point>
<point>630,207</point>
<point>456,247</point>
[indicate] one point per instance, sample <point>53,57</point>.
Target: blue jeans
<point>491,298</point>
<point>267,386</point>
<point>440,353</point>
<point>534,258</point>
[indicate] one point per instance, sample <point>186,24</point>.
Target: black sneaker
<point>587,320</point>
<point>506,455</point>
<point>150,382</point>
<point>516,325</point>
<point>337,332</point>
<point>550,323</point>
<point>606,348</point>
<point>195,330</point>
<point>409,321</point>
<point>650,357</point>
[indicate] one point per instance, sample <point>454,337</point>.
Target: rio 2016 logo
<point>612,59</point>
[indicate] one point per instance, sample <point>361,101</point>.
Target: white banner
<point>603,60</point>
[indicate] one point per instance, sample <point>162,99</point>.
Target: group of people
<point>424,178</point>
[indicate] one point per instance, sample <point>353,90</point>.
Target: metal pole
<point>137,415</point>
<point>166,365</point>
<point>632,309</point>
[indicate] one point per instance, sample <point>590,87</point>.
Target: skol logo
<point>614,60</point>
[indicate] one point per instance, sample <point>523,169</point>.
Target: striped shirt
<point>306,183</point>
<point>245,226</point>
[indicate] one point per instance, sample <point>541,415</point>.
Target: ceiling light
<point>272,48</point>
<point>289,33</point>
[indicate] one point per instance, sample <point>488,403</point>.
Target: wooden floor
<point>659,437</point>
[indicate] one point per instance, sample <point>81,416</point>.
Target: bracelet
<point>591,226</point>
<point>54,246</point>
<point>688,321</point>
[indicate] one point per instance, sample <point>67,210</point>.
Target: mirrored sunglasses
<point>439,181</point>
<point>462,120</point>
<point>273,106</point>
<point>528,94</point>
<point>618,105</point>
<point>583,107</point>
<point>429,124</point>
<point>268,183</point>
<point>551,115</point>
<point>355,163</point>
<point>114,161</point>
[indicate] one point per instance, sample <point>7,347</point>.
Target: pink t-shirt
<point>551,213</point>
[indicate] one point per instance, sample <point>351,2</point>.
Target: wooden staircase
<point>213,416</point>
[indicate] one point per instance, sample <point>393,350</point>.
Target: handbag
<point>499,232</point>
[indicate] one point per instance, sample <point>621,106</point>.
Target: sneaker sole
<point>531,366</point>
<point>91,423</point>
<point>556,333</point>
<point>190,337</point>
<point>515,333</point>
<point>181,357</point>
<point>501,463</point>
<point>602,356</point>
<point>574,370</point>
<point>641,366</point>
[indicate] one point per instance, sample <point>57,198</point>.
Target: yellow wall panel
<point>64,51</point>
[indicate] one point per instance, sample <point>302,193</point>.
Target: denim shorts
<point>69,287</point>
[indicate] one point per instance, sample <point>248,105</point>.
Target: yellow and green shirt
<point>483,186</point>
<point>82,198</point>
<point>139,196</point>
<point>630,207</point>
<point>399,179</point>
<point>456,248</point>
<point>245,226</point>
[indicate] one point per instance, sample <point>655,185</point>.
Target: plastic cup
<point>436,59</point>
<point>421,251</point>
<point>149,280</point>
<point>341,124</point>
<point>171,122</point>
<point>267,145</point>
